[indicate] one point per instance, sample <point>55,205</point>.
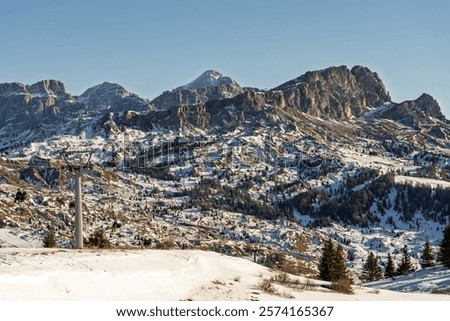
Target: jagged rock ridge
<point>27,106</point>
<point>335,92</point>
<point>22,104</point>
<point>213,101</point>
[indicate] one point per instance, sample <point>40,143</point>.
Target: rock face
<point>421,111</point>
<point>215,102</point>
<point>42,94</point>
<point>211,85</point>
<point>114,98</point>
<point>335,92</point>
<point>26,106</point>
<point>21,103</point>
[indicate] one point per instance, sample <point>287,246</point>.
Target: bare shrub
<point>287,295</point>
<point>217,282</point>
<point>164,245</point>
<point>49,239</point>
<point>308,285</point>
<point>284,279</point>
<point>375,291</point>
<point>267,286</point>
<point>281,277</point>
<point>343,285</point>
<point>98,240</point>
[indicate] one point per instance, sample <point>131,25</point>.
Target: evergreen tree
<point>427,257</point>
<point>49,240</point>
<point>371,269</point>
<point>444,249</point>
<point>405,266</point>
<point>339,267</point>
<point>332,265</point>
<point>389,272</point>
<point>326,261</point>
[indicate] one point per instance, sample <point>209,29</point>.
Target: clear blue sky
<point>152,46</point>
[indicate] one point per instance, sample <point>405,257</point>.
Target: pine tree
<point>405,266</point>
<point>326,261</point>
<point>371,269</point>
<point>332,265</point>
<point>389,272</point>
<point>444,249</point>
<point>427,256</point>
<point>339,267</point>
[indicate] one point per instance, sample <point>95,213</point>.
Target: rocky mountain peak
<point>423,110</point>
<point>43,88</point>
<point>113,97</point>
<point>29,104</point>
<point>103,90</point>
<point>372,86</point>
<point>335,92</point>
<point>209,78</point>
<point>50,87</point>
<point>210,85</point>
<point>9,88</point>
<point>425,105</point>
<point>429,105</point>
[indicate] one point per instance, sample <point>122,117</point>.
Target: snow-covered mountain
<point>209,78</point>
<point>230,169</point>
<point>211,85</point>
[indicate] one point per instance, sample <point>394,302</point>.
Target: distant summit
<point>210,85</point>
<point>114,98</point>
<point>209,78</point>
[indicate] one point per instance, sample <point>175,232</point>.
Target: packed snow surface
<point>55,274</point>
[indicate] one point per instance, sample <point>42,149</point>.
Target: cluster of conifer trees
<point>332,266</point>
<point>354,205</point>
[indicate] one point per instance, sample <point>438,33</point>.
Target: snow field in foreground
<point>45,274</point>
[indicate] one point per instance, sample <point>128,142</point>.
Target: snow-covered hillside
<point>435,279</point>
<point>44,274</point>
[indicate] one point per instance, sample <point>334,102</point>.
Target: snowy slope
<point>43,274</point>
<point>433,279</point>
